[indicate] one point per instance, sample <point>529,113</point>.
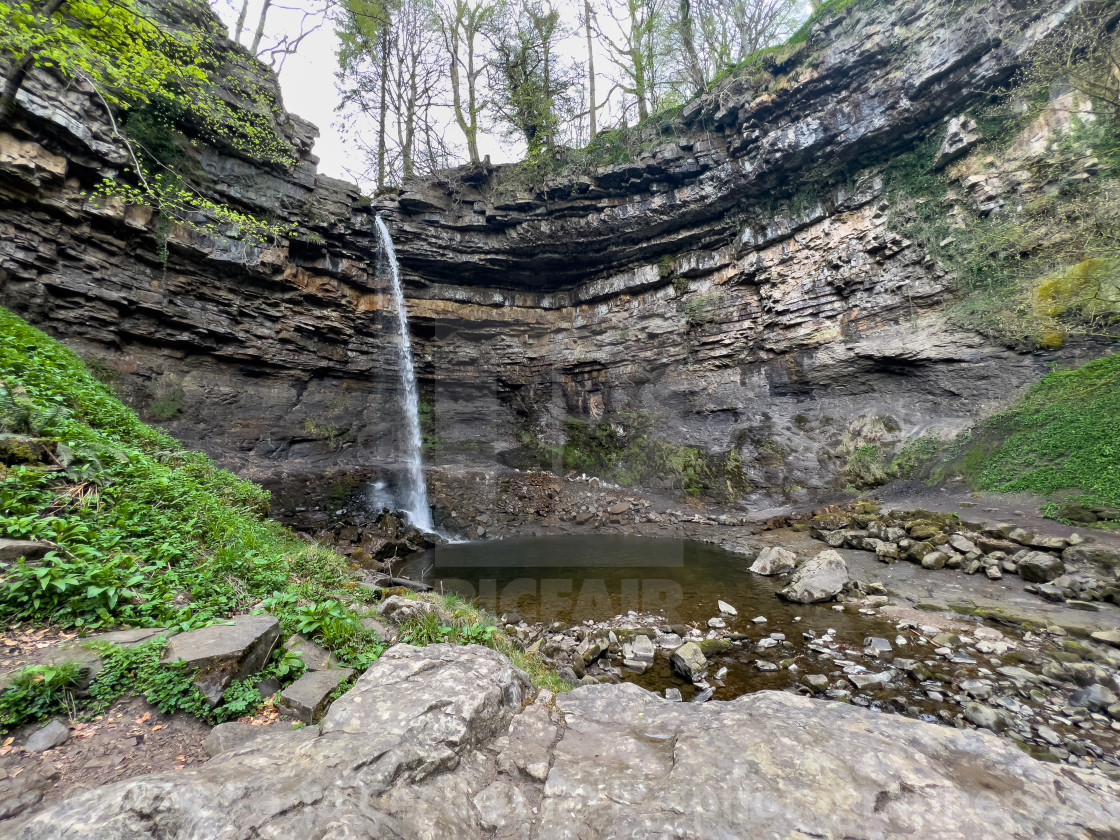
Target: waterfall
<point>415,496</point>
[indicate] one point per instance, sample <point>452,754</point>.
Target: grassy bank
<point>1061,440</point>
<point>148,534</point>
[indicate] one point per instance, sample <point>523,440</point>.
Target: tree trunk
<point>240,27</point>
<point>590,70</point>
<point>259,34</point>
<point>383,108</point>
<point>688,37</point>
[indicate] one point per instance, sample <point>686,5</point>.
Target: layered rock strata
<point>741,288</point>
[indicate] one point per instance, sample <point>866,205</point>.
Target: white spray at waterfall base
<point>415,492</point>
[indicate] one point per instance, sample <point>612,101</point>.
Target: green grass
<point>1063,436</point>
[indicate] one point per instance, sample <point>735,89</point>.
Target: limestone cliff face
<point>742,288</point>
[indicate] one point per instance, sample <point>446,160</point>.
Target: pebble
<point>759,619</point>
<point>725,607</point>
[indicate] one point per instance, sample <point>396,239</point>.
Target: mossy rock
<point>1091,288</point>
<point>711,647</point>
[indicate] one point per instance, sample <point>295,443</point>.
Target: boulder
<point>961,136</point>
<point>222,653</point>
<point>902,777</point>
<point>54,734</point>
<point>1038,567</point>
<point>774,560</point>
<point>398,609</point>
<point>689,661</point>
<point>434,743</point>
<point>308,697</point>
<point>820,579</point>
<point>1103,556</point>
<point>11,551</point>
<point>1108,637</point>
<point>985,717</point>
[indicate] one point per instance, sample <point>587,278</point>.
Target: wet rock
<point>815,682</point>
<point>711,647</point>
<point>222,653</point>
<point>726,608</point>
<point>704,696</point>
<point>308,697</point>
<point>54,734</point>
<point>876,646</point>
<point>689,661</point>
<point>774,561</point>
<point>673,694</point>
<point>1038,567</point>
<point>864,682</point>
<point>820,579</point>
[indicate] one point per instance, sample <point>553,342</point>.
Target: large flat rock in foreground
<point>434,743</point>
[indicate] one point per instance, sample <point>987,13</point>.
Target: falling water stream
<point>415,494</point>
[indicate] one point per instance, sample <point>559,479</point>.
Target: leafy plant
<point>37,692</point>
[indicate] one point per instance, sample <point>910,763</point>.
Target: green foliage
<point>1064,435</point>
<point>430,439</point>
<point>703,309</point>
<point>625,452</point>
<point>148,533</point>
<point>36,692</point>
<point>180,204</point>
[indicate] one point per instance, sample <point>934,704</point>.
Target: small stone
<point>994,573</point>
<point>704,696</point>
<point>54,734</point>
<point>761,619</point>
<point>816,682</point>
<point>980,689</point>
<point>934,560</point>
<point>642,649</point>
<point>673,694</point>
<point>1093,697</point>
<point>985,717</point>
<point>717,623</point>
<point>726,608</point>
<point>1049,736</point>
<point>876,646</point>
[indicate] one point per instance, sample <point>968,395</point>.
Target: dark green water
<point>576,579</point>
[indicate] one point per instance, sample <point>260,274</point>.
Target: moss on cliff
<point>627,453</point>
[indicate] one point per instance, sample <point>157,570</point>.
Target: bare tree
<point>637,47</point>
<point>462,23</point>
<point>1084,53</point>
<point>392,66</point>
